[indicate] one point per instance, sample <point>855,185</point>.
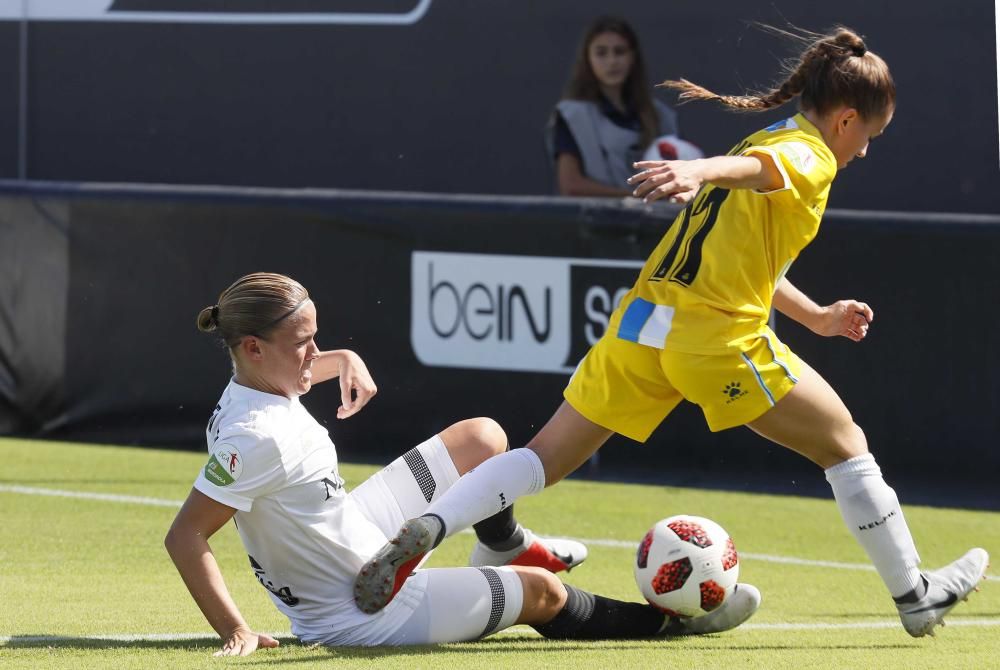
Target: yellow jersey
<point>708,285</point>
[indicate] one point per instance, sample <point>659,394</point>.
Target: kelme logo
<point>734,391</point>
<point>224,466</point>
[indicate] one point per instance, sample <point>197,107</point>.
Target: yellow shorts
<point>630,388</point>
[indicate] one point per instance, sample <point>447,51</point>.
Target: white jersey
<point>306,538</point>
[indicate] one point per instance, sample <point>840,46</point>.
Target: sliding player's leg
<point>403,490</point>
<point>618,387</point>
<point>566,441</point>
<point>459,604</point>
<point>501,539</point>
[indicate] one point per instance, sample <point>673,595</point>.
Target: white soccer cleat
<point>552,553</point>
<point>945,588</point>
<point>741,604</point>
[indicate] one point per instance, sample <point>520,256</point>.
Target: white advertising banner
<point>528,313</point>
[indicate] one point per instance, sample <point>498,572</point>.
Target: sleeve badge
<point>224,466</point>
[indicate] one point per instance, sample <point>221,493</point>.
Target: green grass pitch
<point>85,581</point>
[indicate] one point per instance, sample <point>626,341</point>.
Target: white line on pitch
<point>515,630</point>
<point>596,542</point>
<point>818,625</point>
<point>768,558</point>
<point>124,637</point>
<point>89,495</point>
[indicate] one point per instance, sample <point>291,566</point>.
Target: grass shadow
<point>209,643</point>
<point>293,652</point>
<point>534,645</point>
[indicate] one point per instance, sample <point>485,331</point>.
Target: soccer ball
<point>671,148</point>
<point>686,566</point>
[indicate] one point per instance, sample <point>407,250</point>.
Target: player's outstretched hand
<point>244,642</point>
<point>356,384</point>
<point>849,318</point>
<point>677,181</point>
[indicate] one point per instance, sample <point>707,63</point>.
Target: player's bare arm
<point>679,181</point>
<point>574,182</point>
<point>356,384</point>
<point>187,543</point>
<point>849,318</point>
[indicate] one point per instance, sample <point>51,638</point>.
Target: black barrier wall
<point>453,97</point>
<point>465,306</point>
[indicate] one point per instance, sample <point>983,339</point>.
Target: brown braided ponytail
<point>834,69</point>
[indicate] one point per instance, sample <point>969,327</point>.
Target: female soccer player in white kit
<point>273,469</point>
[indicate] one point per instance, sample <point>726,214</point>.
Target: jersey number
<point>284,594</point>
<point>690,239</point>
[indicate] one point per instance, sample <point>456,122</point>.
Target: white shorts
<point>438,604</point>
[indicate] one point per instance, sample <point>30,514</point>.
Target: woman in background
<point>607,117</point>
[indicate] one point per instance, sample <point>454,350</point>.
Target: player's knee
<point>544,595</point>
<point>554,597</point>
<point>848,442</point>
<point>488,436</point>
<point>478,439</point>
<point>855,442</point>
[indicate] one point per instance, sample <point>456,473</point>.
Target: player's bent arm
<point>680,180</point>
<point>327,366</point>
<point>849,318</point>
<point>756,171</point>
<point>332,364</point>
<point>796,305</point>
<point>356,384</point>
<point>187,543</point>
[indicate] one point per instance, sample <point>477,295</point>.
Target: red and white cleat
<point>552,553</point>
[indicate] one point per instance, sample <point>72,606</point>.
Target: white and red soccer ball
<point>671,148</point>
<point>686,566</point>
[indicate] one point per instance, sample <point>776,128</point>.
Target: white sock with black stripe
<point>872,512</point>
<point>488,488</point>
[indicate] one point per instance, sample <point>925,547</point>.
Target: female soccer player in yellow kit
<point>694,326</point>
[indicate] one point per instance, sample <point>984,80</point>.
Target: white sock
<point>488,488</point>
<point>871,509</point>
